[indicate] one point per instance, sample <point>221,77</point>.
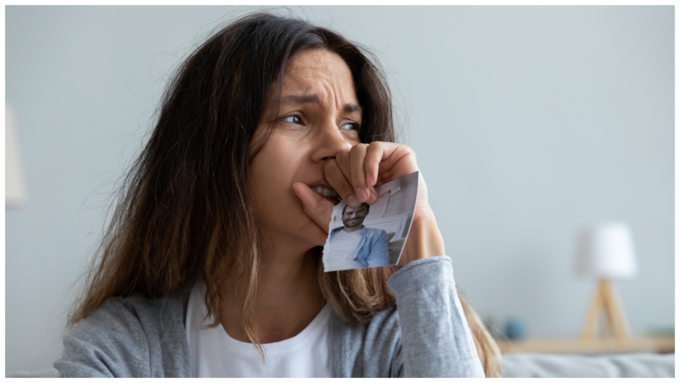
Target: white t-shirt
<point>342,247</point>
<point>214,353</point>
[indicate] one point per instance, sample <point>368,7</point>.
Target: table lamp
<point>606,252</point>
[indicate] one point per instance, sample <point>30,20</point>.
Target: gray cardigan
<point>425,335</point>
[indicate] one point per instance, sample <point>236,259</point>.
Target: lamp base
<point>615,322</point>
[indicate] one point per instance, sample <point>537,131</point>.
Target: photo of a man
<point>372,235</point>
<point>368,246</point>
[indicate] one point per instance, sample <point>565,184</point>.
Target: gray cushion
<point>585,366</point>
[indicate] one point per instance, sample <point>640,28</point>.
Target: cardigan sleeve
<point>108,343</point>
<point>132,337</point>
<point>435,337</point>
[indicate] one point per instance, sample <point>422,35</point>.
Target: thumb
<point>315,206</point>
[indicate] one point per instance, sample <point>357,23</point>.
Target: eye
<point>349,126</point>
<point>293,119</point>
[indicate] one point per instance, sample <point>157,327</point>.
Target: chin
<point>308,236</point>
<point>318,237</point>
<point>313,235</point>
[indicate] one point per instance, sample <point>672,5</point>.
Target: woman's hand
<point>354,174</point>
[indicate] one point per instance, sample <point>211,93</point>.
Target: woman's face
<point>318,116</point>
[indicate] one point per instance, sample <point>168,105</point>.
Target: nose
<point>329,141</point>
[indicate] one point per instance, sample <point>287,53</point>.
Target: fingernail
<point>369,179</point>
<point>352,201</point>
<point>362,194</point>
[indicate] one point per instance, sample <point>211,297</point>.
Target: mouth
<point>328,194</point>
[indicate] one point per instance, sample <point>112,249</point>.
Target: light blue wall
<point>528,123</point>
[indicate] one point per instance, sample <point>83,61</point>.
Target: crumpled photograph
<point>372,235</point>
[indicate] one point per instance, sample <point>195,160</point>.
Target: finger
<point>347,165</point>
<point>336,178</point>
<point>342,158</point>
<point>314,205</point>
<point>357,156</point>
<point>374,155</point>
<point>396,160</point>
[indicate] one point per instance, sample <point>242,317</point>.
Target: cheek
<point>270,184</point>
<point>281,162</point>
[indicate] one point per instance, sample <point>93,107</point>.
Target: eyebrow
<point>314,99</point>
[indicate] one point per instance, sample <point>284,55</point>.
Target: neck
<point>351,229</point>
<point>288,297</point>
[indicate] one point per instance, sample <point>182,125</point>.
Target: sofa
<point>525,365</point>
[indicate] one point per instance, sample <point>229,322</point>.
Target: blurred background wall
<point>528,122</point>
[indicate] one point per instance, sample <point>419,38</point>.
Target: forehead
<point>322,73</point>
<point>350,210</point>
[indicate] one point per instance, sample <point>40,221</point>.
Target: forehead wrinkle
<point>348,107</point>
<point>318,77</point>
<point>300,99</point>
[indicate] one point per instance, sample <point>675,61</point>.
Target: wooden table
<point>596,346</point>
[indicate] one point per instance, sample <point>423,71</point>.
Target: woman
<point>211,264</point>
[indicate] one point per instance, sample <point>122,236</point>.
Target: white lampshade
<point>606,251</point>
<point>15,193</point>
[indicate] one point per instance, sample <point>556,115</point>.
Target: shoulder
<point>369,350</point>
<point>127,338</point>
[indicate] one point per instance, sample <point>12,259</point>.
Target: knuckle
<point>346,190</point>
<point>341,160</point>
<point>344,151</point>
<point>337,181</point>
<point>407,149</point>
<point>358,148</point>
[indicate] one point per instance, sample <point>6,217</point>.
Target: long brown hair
<point>185,213</point>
